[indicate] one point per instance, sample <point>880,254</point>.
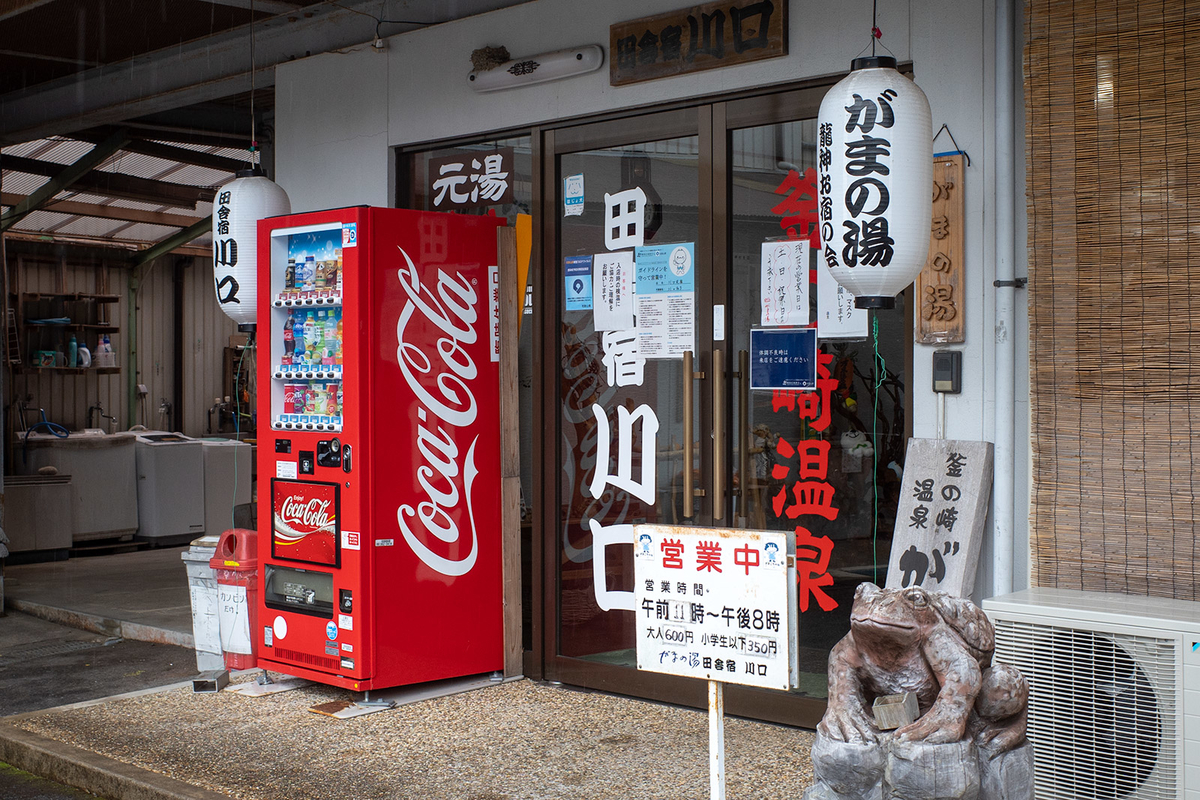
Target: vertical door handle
<point>690,492</point>
<point>718,410</point>
<point>743,436</point>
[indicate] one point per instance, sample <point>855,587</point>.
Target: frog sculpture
<point>938,647</point>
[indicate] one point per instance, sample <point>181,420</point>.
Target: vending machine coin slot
<point>346,459</point>
<point>306,462</point>
<point>329,453</point>
<point>345,601</point>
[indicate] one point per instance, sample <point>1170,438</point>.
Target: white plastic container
<point>202,586</point>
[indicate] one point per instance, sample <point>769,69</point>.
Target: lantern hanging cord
<point>253,133</point>
<point>875,32</point>
<point>880,374</point>
<point>945,127</point>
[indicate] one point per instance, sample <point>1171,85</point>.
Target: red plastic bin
<point>236,566</point>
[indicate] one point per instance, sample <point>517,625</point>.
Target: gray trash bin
<point>202,586</point>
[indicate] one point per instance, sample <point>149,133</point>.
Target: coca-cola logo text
<point>312,514</point>
<point>443,390</point>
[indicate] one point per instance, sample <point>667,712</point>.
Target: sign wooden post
<point>716,603</point>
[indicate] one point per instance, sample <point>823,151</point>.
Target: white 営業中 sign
<point>715,604</point>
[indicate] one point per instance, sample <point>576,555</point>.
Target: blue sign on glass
<point>577,282</point>
<point>783,359</point>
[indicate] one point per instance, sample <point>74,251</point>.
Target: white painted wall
<point>338,113</point>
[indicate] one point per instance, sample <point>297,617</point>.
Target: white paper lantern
<point>875,178</point>
<point>238,207</point>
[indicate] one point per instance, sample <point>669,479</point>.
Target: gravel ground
<point>517,740</point>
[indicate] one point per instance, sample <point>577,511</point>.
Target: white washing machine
<point>103,484</point>
<point>170,486</point>
<point>227,471</point>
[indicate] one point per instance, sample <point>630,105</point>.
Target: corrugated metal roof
<point>66,226</point>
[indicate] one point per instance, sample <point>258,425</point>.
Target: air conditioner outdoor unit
<point>1114,706</point>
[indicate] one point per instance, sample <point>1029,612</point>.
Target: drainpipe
<point>1003,490</point>
<point>131,351</point>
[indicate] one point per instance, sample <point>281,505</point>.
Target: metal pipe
<point>1003,491</point>
<point>743,435</point>
<point>688,503</point>
<point>718,411</point>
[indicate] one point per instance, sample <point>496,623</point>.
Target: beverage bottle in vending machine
<point>298,341</point>
<point>289,338</point>
<point>310,273</point>
<point>289,276</point>
<point>310,337</point>
<point>318,345</point>
<point>337,354</point>
<point>331,340</point>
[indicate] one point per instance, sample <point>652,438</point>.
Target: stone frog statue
<point>940,648</point>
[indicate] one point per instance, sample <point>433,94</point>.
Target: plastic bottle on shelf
<point>72,352</point>
<point>60,360</point>
<point>337,353</point>
<point>298,344</point>
<point>310,338</point>
<point>331,338</point>
<point>317,356</point>
<point>289,339</point>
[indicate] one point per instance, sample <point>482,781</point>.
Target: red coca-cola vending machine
<point>379,447</point>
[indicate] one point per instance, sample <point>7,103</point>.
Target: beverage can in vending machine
<point>289,399</point>
<point>317,400</point>
<point>332,407</point>
<point>289,276</point>
<point>299,398</point>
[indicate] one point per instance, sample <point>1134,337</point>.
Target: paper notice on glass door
<point>612,290</point>
<point>837,318</point>
<point>784,284</point>
<point>666,299</point>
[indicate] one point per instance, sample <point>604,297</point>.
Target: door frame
<point>712,121</point>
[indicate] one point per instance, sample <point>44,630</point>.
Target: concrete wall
<point>338,113</point>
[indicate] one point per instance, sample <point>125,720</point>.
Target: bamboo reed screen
<point>1112,95</point>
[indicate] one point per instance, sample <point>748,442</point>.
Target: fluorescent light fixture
<point>538,69</point>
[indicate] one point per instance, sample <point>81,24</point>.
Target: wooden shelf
<point>71,296</point>
<point>76,326</point>
<point>25,368</point>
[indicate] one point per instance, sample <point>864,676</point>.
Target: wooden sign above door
<point>698,38</point>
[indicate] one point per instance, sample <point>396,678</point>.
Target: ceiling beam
<point>173,241</point>
<point>172,153</point>
<point>105,212</point>
<point>208,68</point>
<point>12,8</point>
<point>192,72</point>
<point>272,6</point>
<point>62,176</point>
<point>115,184</point>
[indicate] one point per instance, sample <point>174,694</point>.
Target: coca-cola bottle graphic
<point>289,338</point>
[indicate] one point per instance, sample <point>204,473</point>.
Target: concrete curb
<point>105,625</point>
<point>90,771</point>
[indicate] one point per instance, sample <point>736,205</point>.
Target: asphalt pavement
<point>44,665</point>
